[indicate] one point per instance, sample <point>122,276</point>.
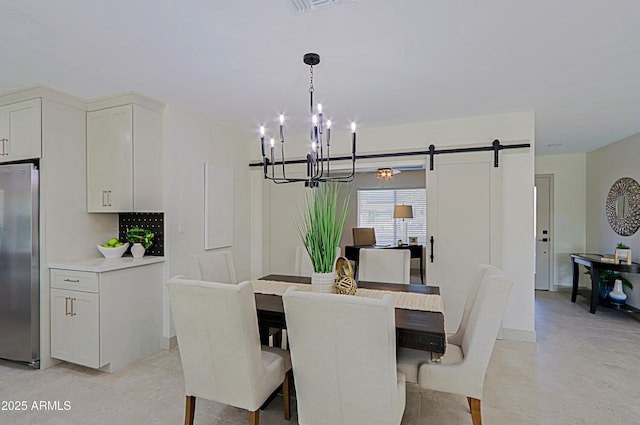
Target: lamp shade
<point>403,211</point>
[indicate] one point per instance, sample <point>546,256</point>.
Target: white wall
<point>190,141</point>
<point>604,167</point>
<point>518,241</point>
<point>569,215</point>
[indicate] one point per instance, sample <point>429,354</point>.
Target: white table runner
<point>404,300</point>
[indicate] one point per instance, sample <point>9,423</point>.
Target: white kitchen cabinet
<point>20,130</point>
<point>75,327</point>
<point>124,159</point>
<point>106,313</point>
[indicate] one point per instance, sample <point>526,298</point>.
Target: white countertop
<point>99,265</point>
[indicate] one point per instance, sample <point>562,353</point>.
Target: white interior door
<point>544,213</point>
<point>464,204</point>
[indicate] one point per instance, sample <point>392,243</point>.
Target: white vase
<point>137,250</point>
<point>322,282</point>
<point>617,295</point>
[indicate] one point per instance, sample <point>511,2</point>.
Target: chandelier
<point>318,158</point>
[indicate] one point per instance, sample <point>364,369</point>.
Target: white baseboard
<point>519,335</point>
<point>168,343</point>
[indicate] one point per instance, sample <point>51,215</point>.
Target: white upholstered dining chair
<point>222,359</point>
<point>385,265</point>
<point>343,353</point>
<point>218,266</point>
<point>482,272</point>
<point>213,266</point>
<point>304,266</point>
<point>463,368</point>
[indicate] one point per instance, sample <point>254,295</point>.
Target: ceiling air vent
<point>303,6</point>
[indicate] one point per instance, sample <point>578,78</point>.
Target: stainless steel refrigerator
<point>19,264</point>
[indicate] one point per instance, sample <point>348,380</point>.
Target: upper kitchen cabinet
<point>21,130</point>
<point>124,154</point>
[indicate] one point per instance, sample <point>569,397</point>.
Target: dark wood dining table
<point>420,330</point>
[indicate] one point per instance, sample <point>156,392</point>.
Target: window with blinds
<point>375,209</point>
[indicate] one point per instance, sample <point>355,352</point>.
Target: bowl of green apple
<point>113,248</point>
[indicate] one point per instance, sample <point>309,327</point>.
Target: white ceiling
<point>575,63</point>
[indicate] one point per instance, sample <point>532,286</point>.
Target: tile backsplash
<point>151,221</point>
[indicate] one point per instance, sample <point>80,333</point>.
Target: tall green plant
<point>321,225</point>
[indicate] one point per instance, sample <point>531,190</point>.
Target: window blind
<point>375,209</point>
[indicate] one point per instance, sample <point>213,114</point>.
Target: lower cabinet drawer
<point>74,280</point>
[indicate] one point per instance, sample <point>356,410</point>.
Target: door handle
<point>543,240</point>
<point>431,243</point>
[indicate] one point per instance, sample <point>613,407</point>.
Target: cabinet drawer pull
<point>72,280</point>
<point>4,147</point>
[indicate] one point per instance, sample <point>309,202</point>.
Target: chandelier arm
<point>317,170</point>
<point>321,168</point>
<point>273,164</point>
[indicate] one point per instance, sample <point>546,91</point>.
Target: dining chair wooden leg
<point>189,410</point>
<point>254,417</point>
<point>286,395</point>
<point>474,406</point>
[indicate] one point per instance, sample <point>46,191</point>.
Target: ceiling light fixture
<point>303,6</point>
<point>384,173</point>
<point>317,170</point>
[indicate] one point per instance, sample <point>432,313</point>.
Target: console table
<point>594,261</point>
<point>352,252</point>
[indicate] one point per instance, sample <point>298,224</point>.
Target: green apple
<point>106,245</point>
<point>113,241</point>
<point>119,244</point>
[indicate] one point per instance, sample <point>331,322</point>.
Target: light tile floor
<point>584,369</point>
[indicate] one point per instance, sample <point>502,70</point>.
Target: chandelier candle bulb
<point>262,139</point>
<point>281,128</point>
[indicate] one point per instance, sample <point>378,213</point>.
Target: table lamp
<point>403,211</point>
